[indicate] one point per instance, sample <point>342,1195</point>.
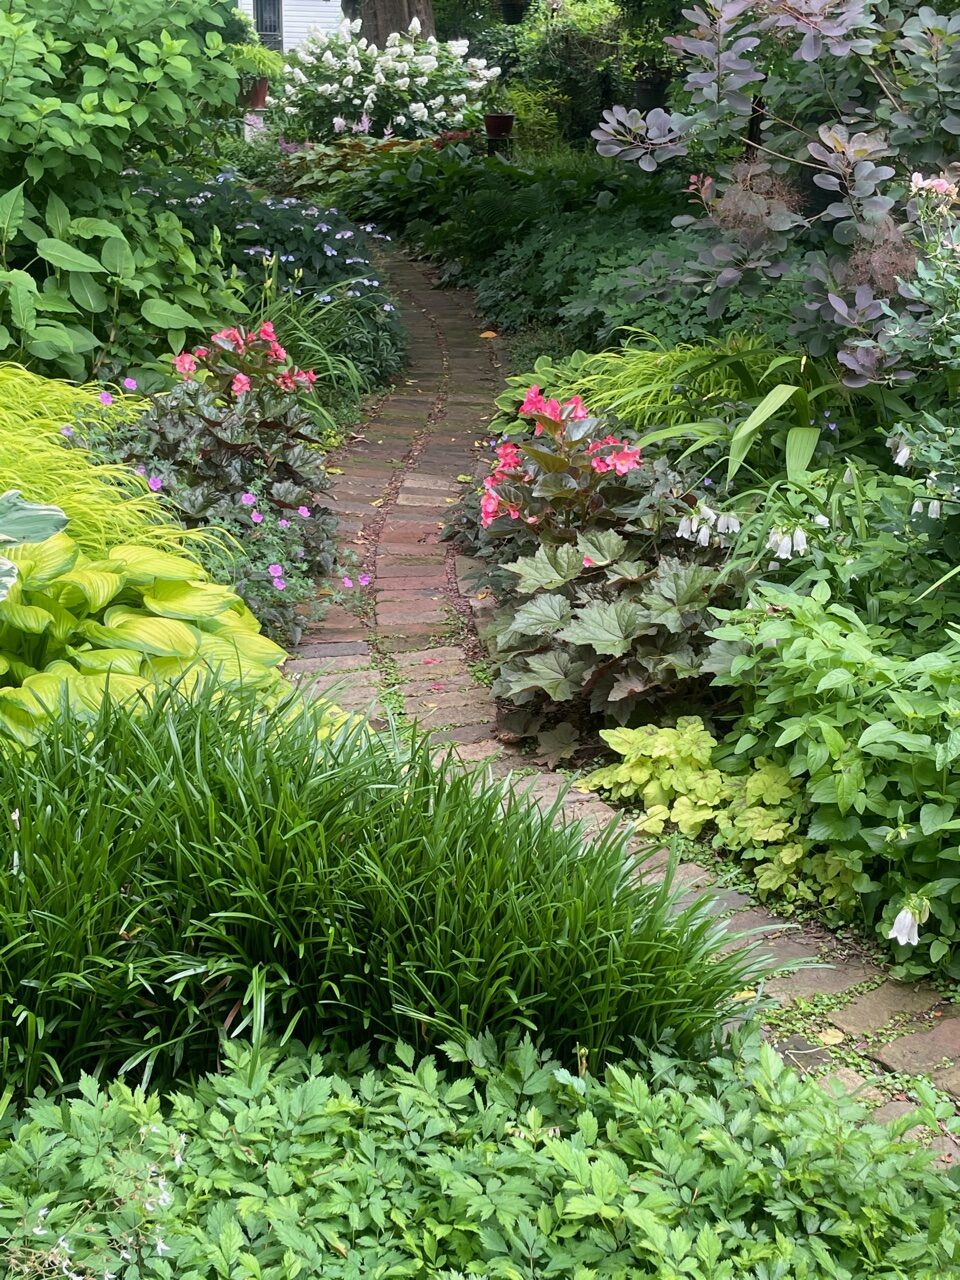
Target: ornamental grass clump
<point>210,865</point>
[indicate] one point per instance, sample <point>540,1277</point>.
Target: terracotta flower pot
<point>498,124</point>
<point>256,96</point>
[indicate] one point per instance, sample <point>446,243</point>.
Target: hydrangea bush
<point>411,88</point>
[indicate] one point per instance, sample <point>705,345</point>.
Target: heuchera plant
<point>838,161</point>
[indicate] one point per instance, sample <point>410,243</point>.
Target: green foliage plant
<point>92,273</point>
<point>76,631</point>
<point>870,732</point>
<point>23,522</point>
<point>671,772</point>
<point>603,608</point>
<point>309,1163</point>
<point>223,863</point>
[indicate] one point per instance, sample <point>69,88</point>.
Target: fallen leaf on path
<point>488,333</point>
<point>830,1036</point>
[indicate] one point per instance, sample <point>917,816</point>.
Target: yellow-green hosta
<point>75,629</point>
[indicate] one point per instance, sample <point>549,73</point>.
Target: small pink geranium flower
<point>66,431</point>
<point>240,385</point>
<point>275,570</point>
<point>284,524</point>
<point>347,582</point>
<point>256,517</point>
<point>303,511</point>
<point>155,483</point>
<point>248,499</point>
<point>130,384</point>
<point>106,397</point>
<point>364,579</point>
<point>279,584</point>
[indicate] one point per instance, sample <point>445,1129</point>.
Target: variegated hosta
<point>22,521</point>
<point>75,630</point>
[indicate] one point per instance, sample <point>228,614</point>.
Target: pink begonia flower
<point>533,401</point>
<point>552,410</point>
<point>364,579</point>
<point>347,582</point>
<point>279,584</point>
<point>200,352</point>
<point>256,517</point>
<point>277,352</point>
<point>587,562</point>
<point>284,524</point>
<point>248,499</point>
<point>625,460</point>
<point>130,384</point>
<point>275,570</point>
<point>601,465</point>
<point>155,483</point>
<point>437,688</point>
<point>579,408</point>
<point>489,506</point>
<point>185,363</point>
<point>106,397</point>
<point>303,511</point>
<point>240,385</point>
<point>267,332</point>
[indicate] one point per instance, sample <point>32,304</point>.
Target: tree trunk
<point>381,17</point>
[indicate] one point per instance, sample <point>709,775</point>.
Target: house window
<point>267,18</point>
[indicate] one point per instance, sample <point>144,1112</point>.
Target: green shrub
<point>80,631</point>
<point>318,1166</point>
<point>210,862</point>
<point>94,274</point>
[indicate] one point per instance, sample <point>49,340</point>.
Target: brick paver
<point>409,647</point>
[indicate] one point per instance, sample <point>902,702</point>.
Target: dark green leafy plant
<point>737,1171</point>
<point>92,275</point>
<point>211,865</point>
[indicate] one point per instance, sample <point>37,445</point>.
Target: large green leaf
<point>22,521</point>
<point>553,672</point>
<point>117,258</point>
<point>606,628</point>
<point>166,315</point>
<point>601,546</point>
<point>97,587</point>
<point>143,564</point>
<point>749,429</point>
<point>8,576</point>
<point>124,628</point>
<point>87,293</point>
<point>12,207</point>
<point>801,444</point>
<point>188,600</point>
<point>550,567</point>
<point>41,563</point>
<point>64,256</point>
<point>541,616</point>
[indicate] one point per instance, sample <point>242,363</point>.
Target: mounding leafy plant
<point>214,863</point>
<point>316,1163</point>
<point>237,446</point>
<point>77,630</point>
<point>92,274</point>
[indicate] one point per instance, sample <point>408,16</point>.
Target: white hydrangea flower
<point>414,27</point>
<point>458,47</point>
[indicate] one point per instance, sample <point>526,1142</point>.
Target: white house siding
<point>302,16</point>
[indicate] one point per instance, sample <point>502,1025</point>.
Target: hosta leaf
<point>22,521</point>
<point>125,628</point>
<point>25,617</point>
<point>8,576</point>
<point>97,587</point>
<point>126,661</point>
<point>606,628</point>
<point>188,600</point>
<point>143,564</point>
<point>41,563</point>
<point>250,649</point>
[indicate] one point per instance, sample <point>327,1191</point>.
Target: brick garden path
<point>408,648</point>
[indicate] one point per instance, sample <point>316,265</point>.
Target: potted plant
<point>257,65</point>
<point>497,119</point>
